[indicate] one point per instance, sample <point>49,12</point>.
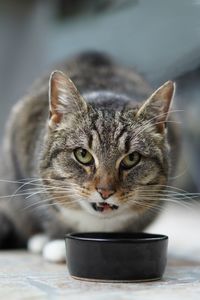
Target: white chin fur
<point>54,251</point>
<point>81,220</point>
<point>37,242</point>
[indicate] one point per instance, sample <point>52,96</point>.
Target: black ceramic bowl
<point>116,256</point>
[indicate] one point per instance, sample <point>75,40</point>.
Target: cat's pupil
<point>83,152</point>
<point>132,156</point>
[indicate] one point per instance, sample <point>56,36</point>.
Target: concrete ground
<point>27,276</point>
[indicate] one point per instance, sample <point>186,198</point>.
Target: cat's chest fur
<point>80,220</point>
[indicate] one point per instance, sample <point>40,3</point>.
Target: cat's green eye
<point>130,160</point>
<point>83,156</point>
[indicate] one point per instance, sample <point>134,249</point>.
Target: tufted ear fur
<point>64,98</point>
<point>157,106</point>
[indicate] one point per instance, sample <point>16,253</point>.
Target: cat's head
<point>102,160</point>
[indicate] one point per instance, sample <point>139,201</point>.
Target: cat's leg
<point>54,251</point>
<point>9,236</point>
<point>17,223</point>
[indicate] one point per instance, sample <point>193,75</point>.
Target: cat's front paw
<point>54,251</point>
<point>37,242</point>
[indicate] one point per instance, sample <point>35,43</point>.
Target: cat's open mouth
<point>103,206</point>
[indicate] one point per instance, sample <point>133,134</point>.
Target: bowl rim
<point>135,237</point>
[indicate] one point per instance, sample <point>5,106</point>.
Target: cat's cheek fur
<point>54,251</point>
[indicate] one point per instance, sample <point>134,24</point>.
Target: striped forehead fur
<point>111,130</point>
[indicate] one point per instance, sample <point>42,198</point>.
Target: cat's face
<point>105,161</point>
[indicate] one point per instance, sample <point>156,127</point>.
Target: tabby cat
<point>90,153</point>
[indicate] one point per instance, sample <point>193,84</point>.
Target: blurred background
<point>160,39</point>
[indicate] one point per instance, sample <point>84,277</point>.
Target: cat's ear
<point>157,106</point>
<point>64,98</point>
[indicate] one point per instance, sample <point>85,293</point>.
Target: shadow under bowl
<point>116,257</point>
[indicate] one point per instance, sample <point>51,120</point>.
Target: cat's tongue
<point>103,207</point>
<point>106,206</point>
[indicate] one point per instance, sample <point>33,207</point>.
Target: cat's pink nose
<point>105,193</point>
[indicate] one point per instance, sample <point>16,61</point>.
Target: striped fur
<point>108,122</point>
